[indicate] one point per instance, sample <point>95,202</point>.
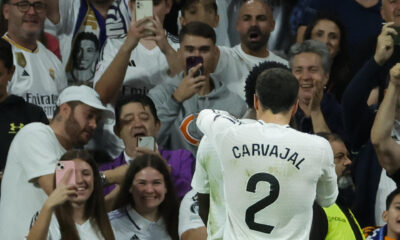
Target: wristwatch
<point>103,178</point>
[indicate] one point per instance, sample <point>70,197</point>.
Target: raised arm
<point>62,193</point>
<point>386,147</point>
<point>111,81</point>
<point>53,11</point>
<point>357,116</point>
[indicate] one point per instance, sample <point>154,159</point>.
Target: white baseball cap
<point>87,96</point>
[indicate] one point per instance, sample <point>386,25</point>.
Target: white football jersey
<point>272,175</point>
<point>39,76</point>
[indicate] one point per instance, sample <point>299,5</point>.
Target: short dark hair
<point>186,4</point>
<point>330,17</point>
<point>169,207</point>
<point>6,54</point>
<point>250,87</point>
<point>199,29</point>
<point>391,196</point>
<point>134,98</point>
<point>277,90</point>
<point>331,137</point>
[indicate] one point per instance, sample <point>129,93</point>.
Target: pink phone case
<point>61,170</point>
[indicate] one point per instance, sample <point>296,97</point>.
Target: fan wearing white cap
<point>31,161</point>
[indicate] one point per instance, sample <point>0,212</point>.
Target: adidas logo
<point>134,237</point>
<point>132,63</point>
<point>25,74</point>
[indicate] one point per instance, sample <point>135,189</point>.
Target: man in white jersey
<point>39,76</point>
<point>34,152</point>
<point>271,173</point>
<point>93,20</point>
<point>254,24</point>
<point>385,133</point>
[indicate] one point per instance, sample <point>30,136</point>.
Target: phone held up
<point>144,8</point>
<point>192,62</point>
<point>61,170</point>
<point>146,142</point>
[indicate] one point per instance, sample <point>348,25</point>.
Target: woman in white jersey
<point>147,206</point>
<point>74,211</point>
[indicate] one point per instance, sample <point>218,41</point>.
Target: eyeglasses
<point>24,6</point>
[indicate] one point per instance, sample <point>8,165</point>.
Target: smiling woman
<point>147,204</point>
<point>328,29</point>
<point>74,211</point>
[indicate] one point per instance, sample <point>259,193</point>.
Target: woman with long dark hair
<point>75,211</point>
<point>328,29</point>
<point>147,206</point>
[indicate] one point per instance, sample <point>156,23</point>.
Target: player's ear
<point>295,107</point>
<point>256,103</point>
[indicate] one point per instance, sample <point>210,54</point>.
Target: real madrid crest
<point>52,74</point>
<point>21,61</point>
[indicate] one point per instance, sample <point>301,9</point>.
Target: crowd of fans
<point>87,81</point>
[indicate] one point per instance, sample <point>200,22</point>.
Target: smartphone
<point>193,62</point>
<point>144,8</point>
<point>146,142</point>
<point>61,170</point>
<point>396,38</point>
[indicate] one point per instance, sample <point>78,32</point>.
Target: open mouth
<point>307,85</point>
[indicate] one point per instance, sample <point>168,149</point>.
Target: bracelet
<point>103,178</point>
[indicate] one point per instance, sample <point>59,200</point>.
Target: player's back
<point>271,173</point>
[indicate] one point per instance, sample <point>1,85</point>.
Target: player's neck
<point>269,117</point>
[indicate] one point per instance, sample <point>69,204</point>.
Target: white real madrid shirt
<point>39,76</point>
<point>234,66</point>
<point>272,175</point>
<point>128,224</point>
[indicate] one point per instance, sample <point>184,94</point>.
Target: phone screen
<point>193,62</point>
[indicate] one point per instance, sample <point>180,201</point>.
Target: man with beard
<point>34,152</point>
<point>337,221</point>
<point>254,24</point>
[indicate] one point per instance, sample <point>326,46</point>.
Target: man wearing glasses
<point>38,77</point>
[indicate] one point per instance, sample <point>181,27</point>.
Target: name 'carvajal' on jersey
<point>266,150</point>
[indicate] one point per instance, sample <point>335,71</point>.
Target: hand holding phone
<point>144,8</point>
<point>146,142</point>
<point>192,62</point>
<point>61,170</point>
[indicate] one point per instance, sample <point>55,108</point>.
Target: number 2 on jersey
<point>263,203</point>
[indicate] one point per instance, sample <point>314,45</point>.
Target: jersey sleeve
<point>200,181</point>
<point>189,217</point>
<point>327,189</point>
